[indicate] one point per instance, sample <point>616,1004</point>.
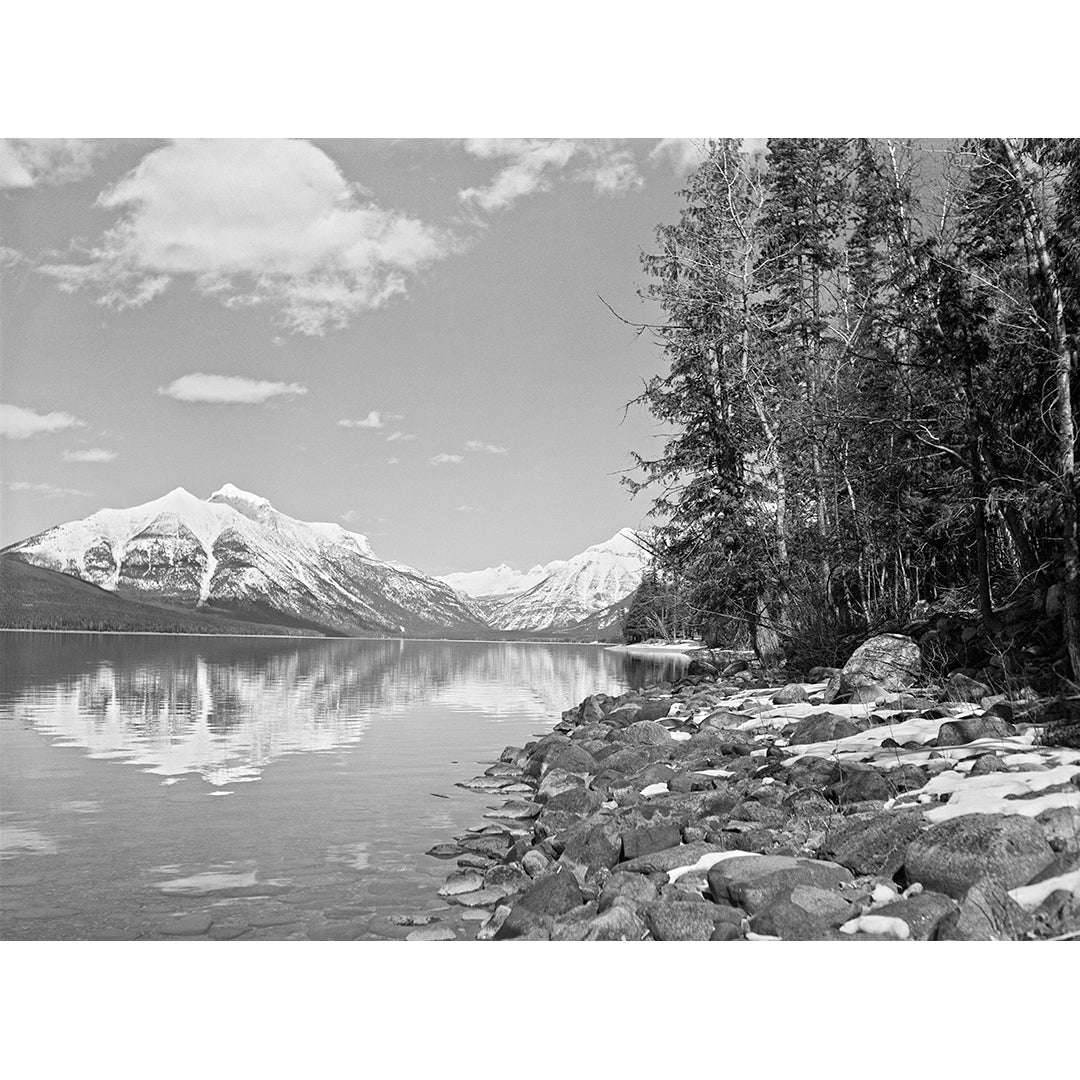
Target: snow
<point>1029,897</point>
<point>996,793</point>
<point>654,789</point>
<point>879,926</point>
<point>649,648</point>
<point>501,580</point>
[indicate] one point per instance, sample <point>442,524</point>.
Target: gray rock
<point>890,660</point>
<point>959,687</point>
<point>875,845</point>
<point>1061,827</point>
<point>186,926</point>
<point>853,782</point>
<point>515,810</point>
<point>953,855</point>
<point>680,921</point>
<point>591,844</point>
<point>784,919</point>
<point>462,881</point>
<point>823,727</point>
<point>669,859</point>
<point>987,763</point>
<point>636,888</point>
<point>649,839</point>
<point>922,912</point>
<point>620,922</point>
<point>432,933</point>
<point>548,897</point>
<point>790,694</point>
<point>753,882</point>
<point>986,913</point>
<point>555,782</point>
<point>962,732</point>
<point>645,733</point>
<point>534,862</point>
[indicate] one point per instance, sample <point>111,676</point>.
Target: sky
<point>403,336</point>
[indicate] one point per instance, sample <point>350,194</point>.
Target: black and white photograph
<point>488,532</point>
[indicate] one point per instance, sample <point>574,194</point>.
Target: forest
<point>866,405</point>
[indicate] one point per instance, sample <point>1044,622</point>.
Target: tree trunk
<point>1066,427</point>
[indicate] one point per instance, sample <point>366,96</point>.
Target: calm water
<point>270,788</point>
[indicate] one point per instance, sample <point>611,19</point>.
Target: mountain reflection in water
<point>224,709</point>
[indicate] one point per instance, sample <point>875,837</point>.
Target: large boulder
<point>549,897</point>
<point>922,912</point>
<point>874,845</point>
<point>986,913</point>
<point>822,727</point>
<point>890,661</point>
<point>962,732</point>
<point>953,855</point>
<point>670,920</point>
<point>753,882</point>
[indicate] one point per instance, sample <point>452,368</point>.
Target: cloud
<point>465,509</point>
<point>352,516</point>
<point>374,419</point>
<point>252,222</point>
<point>682,155</point>
<point>19,423</point>
<point>533,165</point>
<point>446,459</point>
<point>484,448</point>
<point>94,455</point>
<point>26,162</point>
<point>47,490</point>
<point>391,461</point>
<point>399,436</point>
<point>227,389</point>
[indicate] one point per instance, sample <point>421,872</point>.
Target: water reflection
<point>224,709</point>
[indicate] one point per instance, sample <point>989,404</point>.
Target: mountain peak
<point>246,502</point>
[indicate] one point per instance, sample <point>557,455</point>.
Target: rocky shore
<point>865,804</point>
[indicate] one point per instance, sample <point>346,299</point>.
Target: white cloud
<point>47,490</point>
<point>19,423</point>
<point>446,459</point>
<point>94,455</point>
<point>227,389</point>
<point>484,448</point>
<point>399,436</point>
<point>682,155</point>
<point>465,509</point>
<point>352,516</point>
<point>391,461</point>
<point>26,162</point>
<point>250,222</point>
<point>533,165</point>
<point>374,419</point>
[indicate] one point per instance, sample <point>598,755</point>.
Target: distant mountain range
<point>233,561</point>
<point>562,593</point>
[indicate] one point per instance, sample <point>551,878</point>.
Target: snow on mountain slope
<point>498,580</point>
<point>572,590</point>
<point>235,551</point>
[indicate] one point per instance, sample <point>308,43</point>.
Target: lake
<point>179,787</point>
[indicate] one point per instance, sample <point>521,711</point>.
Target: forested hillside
<point>868,392</point>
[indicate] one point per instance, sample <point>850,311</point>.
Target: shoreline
<point>300,637</point>
<point>721,808</point>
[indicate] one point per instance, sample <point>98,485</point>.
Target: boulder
<point>891,661</point>
<point>922,913</point>
<point>654,708</point>
<point>636,888</point>
<point>671,858</point>
<point>790,694</point>
<point>548,897</point>
<point>959,687</point>
<point>645,733</point>
<point>557,751</point>
<point>591,845</point>
<point>987,763</point>
<point>650,839</point>
<point>953,855</point>
<point>962,732</point>
<point>986,913</point>
<point>876,845</point>
<point>823,727</point>
<point>1061,827</point>
<point>752,883</point>
<point>680,921</point>
<point>853,782</point>
<point>620,922</point>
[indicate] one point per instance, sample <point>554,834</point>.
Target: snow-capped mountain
<point>235,552</point>
<point>570,590</point>
<point>499,580</point>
